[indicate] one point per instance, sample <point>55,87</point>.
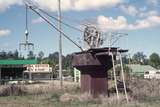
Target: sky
<point>140,19</point>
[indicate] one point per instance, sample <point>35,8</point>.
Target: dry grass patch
<point>143,88</point>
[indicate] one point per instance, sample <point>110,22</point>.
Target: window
<point>147,72</point>
<point>157,72</point>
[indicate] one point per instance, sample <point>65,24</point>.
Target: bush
<point>143,88</point>
<point>13,90</point>
<point>67,98</point>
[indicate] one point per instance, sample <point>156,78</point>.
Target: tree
<point>9,55</point>
<point>125,59</point>
<point>67,64</point>
<point>54,57</point>
<point>139,58</point>
<point>16,54</point>
<point>126,70</point>
<point>52,60</point>
<point>30,55</point>
<point>3,55</point>
<point>154,60</point>
<point>40,56</point>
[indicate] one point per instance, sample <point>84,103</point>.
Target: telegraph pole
<point>60,43</point>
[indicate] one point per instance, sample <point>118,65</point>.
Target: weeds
<point>144,93</point>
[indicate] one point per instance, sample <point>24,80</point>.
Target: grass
<point>144,94</point>
<point>53,101</point>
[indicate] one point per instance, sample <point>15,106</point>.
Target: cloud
<point>130,10</point>
<point>140,12</point>
<point>77,5</point>
<point>121,23</point>
<point>149,13</point>
<point>4,4</point>
<point>105,23</point>
<point>152,2</point>
<point>37,21</point>
<point>4,32</point>
<point>150,21</point>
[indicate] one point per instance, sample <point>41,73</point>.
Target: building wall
<point>38,76</point>
<point>39,68</point>
<point>38,72</point>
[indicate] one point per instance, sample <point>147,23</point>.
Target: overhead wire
<point>44,18</point>
<point>70,26</point>
<point>46,13</point>
<point>26,18</point>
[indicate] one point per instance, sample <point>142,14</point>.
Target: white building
<point>77,75</point>
<point>38,71</point>
<point>39,68</point>
<point>152,74</point>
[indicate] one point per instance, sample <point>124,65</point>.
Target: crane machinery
<point>26,44</point>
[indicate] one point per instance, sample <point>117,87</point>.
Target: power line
<point>46,13</point>
<point>60,21</point>
<point>55,27</point>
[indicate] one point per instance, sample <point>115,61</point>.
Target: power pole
<point>60,43</point>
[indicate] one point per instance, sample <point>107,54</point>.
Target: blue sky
<point>139,18</point>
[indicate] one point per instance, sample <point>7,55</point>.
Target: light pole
<point>60,43</point>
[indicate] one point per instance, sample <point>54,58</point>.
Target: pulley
<point>26,44</point>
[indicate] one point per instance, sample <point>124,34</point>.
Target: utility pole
<point>60,43</point>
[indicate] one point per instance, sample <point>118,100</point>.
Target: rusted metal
<point>94,64</point>
<point>94,82</point>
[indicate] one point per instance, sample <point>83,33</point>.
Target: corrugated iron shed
<point>138,70</point>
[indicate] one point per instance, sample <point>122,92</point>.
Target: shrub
<point>12,90</point>
<point>142,88</point>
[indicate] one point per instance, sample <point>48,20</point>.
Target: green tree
<point>154,60</point>
<point>67,64</point>
<point>40,56</point>
<point>9,55</point>
<point>125,59</point>
<point>16,54</point>
<point>52,60</point>
<point>30,55</point>
<point>126,70</point>
<point>3,55</point>
<point>139,58</point>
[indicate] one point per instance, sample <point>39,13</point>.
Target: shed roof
<point>140,69</point>
<point>17,62</point>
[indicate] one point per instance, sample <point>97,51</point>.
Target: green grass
<point>52,100</point>
<point>145,94</point>
<point>43,100</point>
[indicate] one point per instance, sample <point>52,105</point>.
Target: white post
<point>75,78</point>
<point>129,59</point>
<point>114,73</point>
<point>122,71</point>
<point>79,77</point>
<point>30,75</point>
<point>60,43</point>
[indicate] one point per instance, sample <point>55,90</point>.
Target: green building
<point>13,69</point>
<point>138,70</point>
